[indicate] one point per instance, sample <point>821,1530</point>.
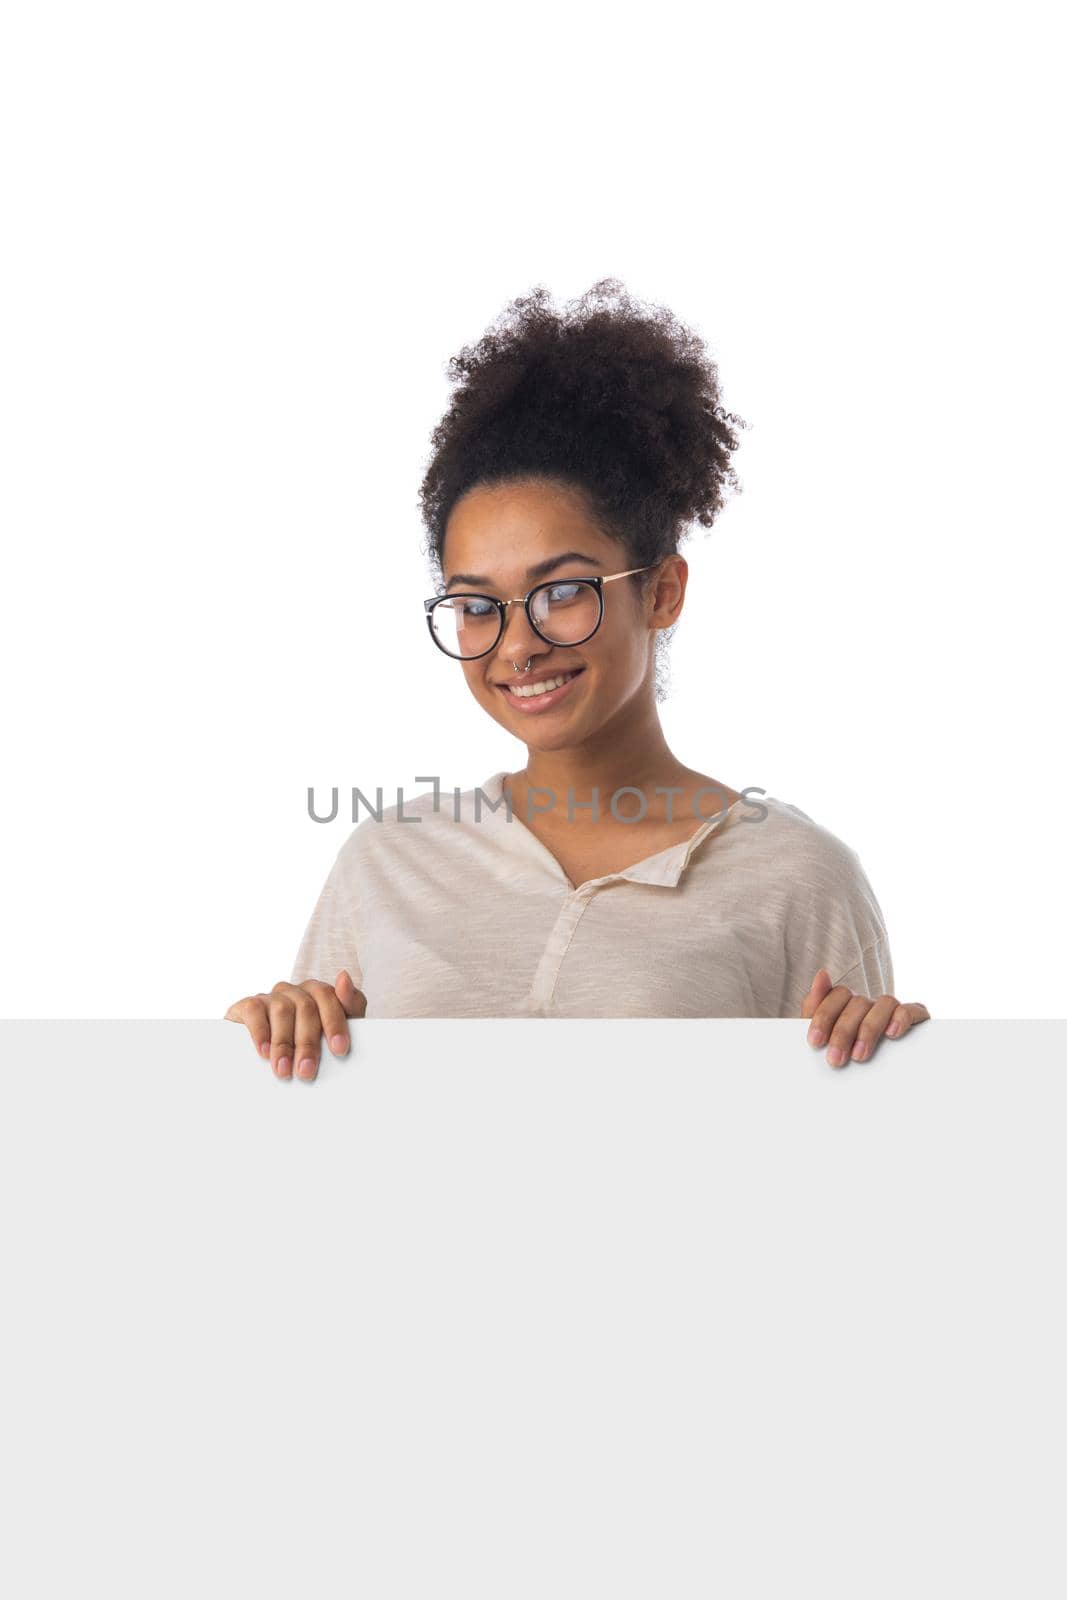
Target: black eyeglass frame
<point>596,582</point>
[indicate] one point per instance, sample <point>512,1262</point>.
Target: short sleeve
<point>872,974</point>
<point>330,940</point>
<point>832,919</point>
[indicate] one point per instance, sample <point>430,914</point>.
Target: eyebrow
<point>540,570</point>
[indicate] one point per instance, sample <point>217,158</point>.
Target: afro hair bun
<point>610,396</point>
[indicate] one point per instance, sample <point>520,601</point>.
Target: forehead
<point>505,528</point>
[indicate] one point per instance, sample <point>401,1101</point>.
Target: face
<point>504,539</point>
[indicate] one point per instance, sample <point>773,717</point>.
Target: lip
<point>531,705</point>
<point>535,677</point>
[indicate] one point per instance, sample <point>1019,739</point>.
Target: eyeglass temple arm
<point>629,574</point>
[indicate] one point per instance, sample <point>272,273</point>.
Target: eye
<point>475,608</point>
<point>564,591</point>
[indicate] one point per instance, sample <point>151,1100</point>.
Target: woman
<point>599,881</point>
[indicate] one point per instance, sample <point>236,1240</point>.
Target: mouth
<point>536,698</point>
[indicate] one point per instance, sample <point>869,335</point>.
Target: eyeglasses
<point>561,611</point>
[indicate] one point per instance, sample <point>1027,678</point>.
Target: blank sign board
<point>533,1308</point>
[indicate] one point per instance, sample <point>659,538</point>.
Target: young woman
<point>600,881</point>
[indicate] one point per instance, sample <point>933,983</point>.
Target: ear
<point>667,589</point>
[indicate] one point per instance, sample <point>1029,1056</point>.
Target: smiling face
<point>503,539</point>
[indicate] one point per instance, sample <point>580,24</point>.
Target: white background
<point>584,1308</point>
<point>240,243</point>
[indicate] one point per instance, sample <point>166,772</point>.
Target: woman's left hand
<point>850,1023</point>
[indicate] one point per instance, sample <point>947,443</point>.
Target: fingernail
<point>893,1029</point>
<point>264,1049</point>
<point>306,1067</point>
<point>338,1042</point>
<point>859,1050</point>
<point>816,1037</point>
<point>835,1056</point>
<point>283,1066</point>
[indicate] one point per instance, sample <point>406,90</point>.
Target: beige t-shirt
<point>459,910</point>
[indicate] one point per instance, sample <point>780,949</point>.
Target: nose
<point>519,643</point>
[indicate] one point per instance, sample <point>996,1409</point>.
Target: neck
<point>633,756</point>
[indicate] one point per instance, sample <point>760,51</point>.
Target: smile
<point>539,696</point>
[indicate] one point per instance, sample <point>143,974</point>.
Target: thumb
<point>821,985</point>
<point>353,999</point>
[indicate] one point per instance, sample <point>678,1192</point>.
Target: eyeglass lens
<point>565,613</point>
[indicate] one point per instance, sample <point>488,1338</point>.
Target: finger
<point>352,999</point>
<point>252,1011</point>
<point>282,1013</point>
<point>821,985</point>
<point>907,1013</point>
<point>843,1033</point>
<point>826,1014</point>
<point>307,1031</point>
<point>873,1026</point>
<point>331,1014</point>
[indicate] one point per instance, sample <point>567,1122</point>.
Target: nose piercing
<point>516,668</point>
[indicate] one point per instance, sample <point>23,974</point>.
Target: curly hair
<point>612,398</point>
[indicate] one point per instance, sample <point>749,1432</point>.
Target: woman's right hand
<point>287,1024</point>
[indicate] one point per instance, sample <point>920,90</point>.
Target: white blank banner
<point>544,1308</point>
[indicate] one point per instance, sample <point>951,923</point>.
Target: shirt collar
<point>664,868</point>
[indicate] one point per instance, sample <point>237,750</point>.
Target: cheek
<point>485,693</point>
<point>620,677</point>
<point>622,661</point>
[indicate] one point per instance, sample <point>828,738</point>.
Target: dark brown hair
<point>611,397</point>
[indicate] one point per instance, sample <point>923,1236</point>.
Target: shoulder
<point>830,915</point>
<point>411,820</point>
<point>794,841</point>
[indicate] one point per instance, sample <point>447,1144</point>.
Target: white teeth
<point>524,691</point>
